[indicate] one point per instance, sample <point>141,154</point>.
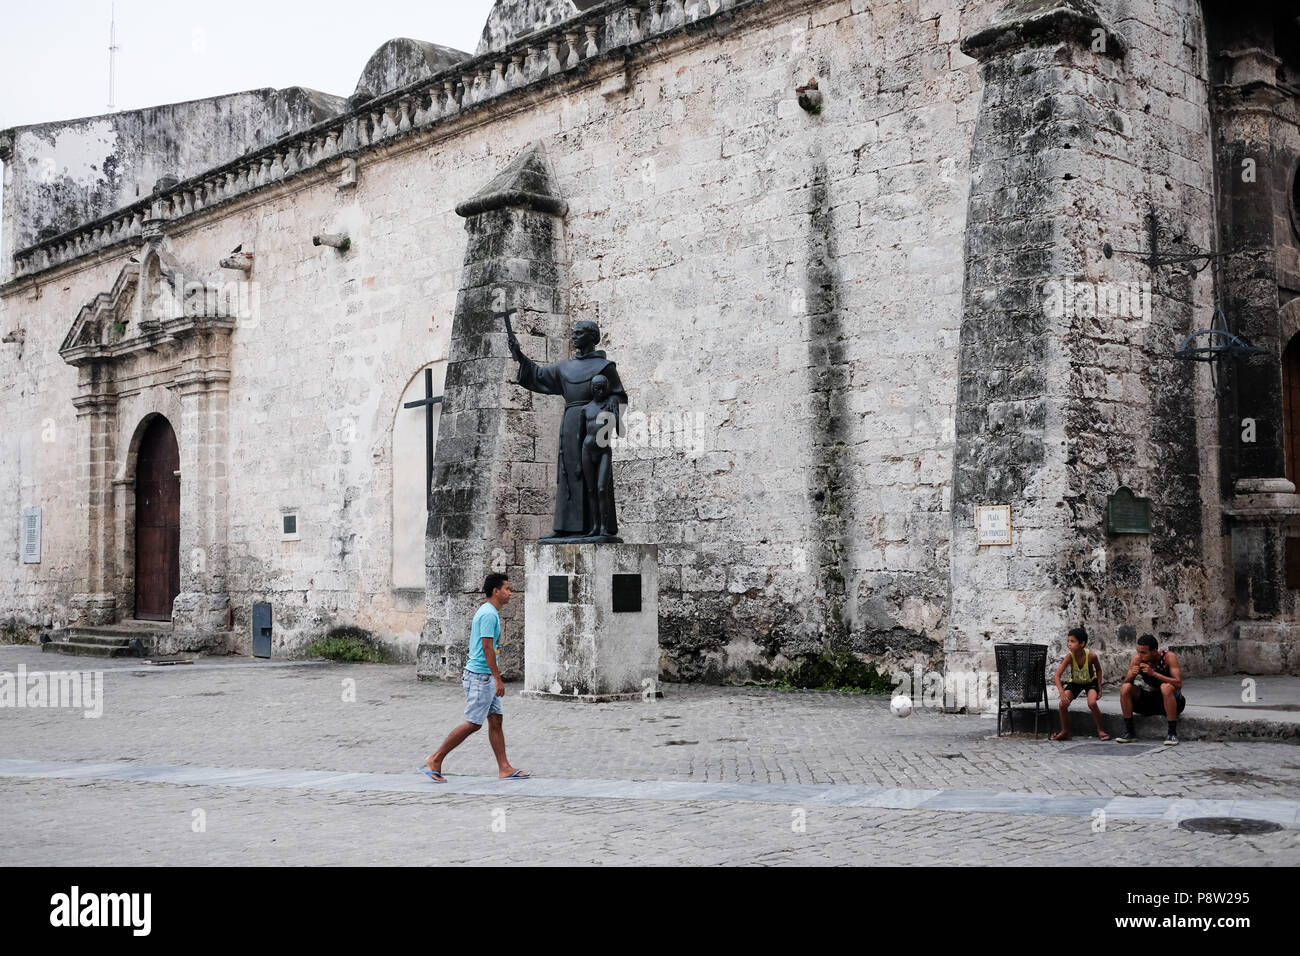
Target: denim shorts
<point>480,696</point>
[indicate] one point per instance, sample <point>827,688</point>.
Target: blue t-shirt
<point>487,623</point>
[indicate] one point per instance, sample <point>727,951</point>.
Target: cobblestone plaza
<point>296,774</point>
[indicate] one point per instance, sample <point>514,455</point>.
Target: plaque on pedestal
<point>591,621</point>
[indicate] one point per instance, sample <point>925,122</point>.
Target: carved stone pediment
<point>152,303</point>
<point>96,320</point>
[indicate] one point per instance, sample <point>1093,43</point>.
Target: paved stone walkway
<point>1284,812</point>
<point>707,775</point>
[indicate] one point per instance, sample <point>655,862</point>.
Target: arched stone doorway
<point>138,358</point>
<point>157,522</point>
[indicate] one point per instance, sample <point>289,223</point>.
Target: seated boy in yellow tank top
<point>1084,678</point>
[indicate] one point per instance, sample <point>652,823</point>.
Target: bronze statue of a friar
<point>584,493</point>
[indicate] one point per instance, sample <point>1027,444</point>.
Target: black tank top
<point>1161,668</point>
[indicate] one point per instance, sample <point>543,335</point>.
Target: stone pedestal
<point>93,609</point>
<point>200,622</point>
<point>591,621</point>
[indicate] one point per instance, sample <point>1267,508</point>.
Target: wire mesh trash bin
<point>1022,679</point>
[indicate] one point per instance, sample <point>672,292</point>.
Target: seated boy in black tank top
<point>1153,685</point>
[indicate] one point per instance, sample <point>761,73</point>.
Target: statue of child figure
<point>598,424</point>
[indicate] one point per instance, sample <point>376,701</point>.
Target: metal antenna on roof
<point>112,56</point>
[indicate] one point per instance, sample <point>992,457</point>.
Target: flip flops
<point>439,778</point>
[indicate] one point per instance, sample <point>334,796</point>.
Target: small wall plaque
<point>627,594</point>
<point>993,525</point>
<point>1126,513</point>
<point>31,536</point>
<point>557,589</point>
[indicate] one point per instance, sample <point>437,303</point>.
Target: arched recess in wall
<point>410,496</point>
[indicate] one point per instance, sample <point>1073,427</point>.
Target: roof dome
<point>401,62</point>
<point>511,19</point>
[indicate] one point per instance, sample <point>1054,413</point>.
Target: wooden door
<point>1291,408</point>
<point>157,523</point>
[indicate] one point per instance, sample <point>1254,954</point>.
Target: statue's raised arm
<point>544,379</point>
<point>512,342</point>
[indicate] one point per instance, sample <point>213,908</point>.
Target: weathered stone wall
<point>1284,204</point>
<point>783,294</point>
<point>1256,116</point>
<point>800,303</point>
<point>60,175</point>
<point>1079,139</point>
<point>789,280</point>
<point>1136,417</point>
<point>38,446</point>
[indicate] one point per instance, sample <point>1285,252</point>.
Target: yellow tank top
<point>1082,675</point>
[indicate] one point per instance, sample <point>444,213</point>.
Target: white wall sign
<point>993,524</point>
<point>31,536</point>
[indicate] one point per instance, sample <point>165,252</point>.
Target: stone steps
<point>89,650</point>
<point>128,629</point>
<point>129,639</point>
<point>98,639</point>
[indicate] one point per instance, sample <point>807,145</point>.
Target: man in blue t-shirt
<point>483,685</point>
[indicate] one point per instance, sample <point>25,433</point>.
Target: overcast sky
<point>54,53</point>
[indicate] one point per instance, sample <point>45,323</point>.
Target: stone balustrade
<point>534,59</point>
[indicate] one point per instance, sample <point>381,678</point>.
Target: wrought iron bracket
<point>1204,345</point>
<point>1156,259</point>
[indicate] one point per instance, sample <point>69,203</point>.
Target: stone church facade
<point>847,318</point>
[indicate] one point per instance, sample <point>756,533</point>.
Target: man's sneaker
<point>1171,740</point>
<point>1126,738</point>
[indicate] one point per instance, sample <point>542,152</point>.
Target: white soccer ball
<point>900,706</point>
